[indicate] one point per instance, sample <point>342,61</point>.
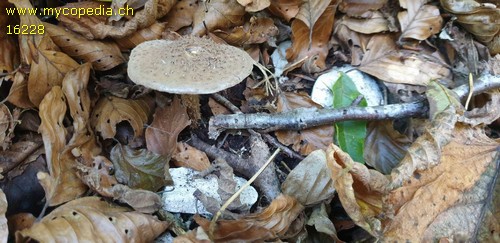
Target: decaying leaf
<point>190,157</point>
<point>308,140</point>
<point>430,192</point>
<point>484,115</point>
<point>217,14</point>
<point>111,110</point>
<point>361,8</point>
<point>286,9</point>
<point>311,48</point>
<point>181,14</point>
<point>152,32</point>
<point>255,31</point>
<point>419,21</point>
<point>139,169</point>
<point>254,5</point>
<point>384,146</point>
<point>93,219</point>
<point>385,62</point>
<point>310,181</point>
<point>271,223</point>
<point>103,55</point>
<point>360,190</point>
<point>321,222</point>
<point>168,122</point>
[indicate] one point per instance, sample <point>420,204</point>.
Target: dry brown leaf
<point>92,219</point>
<point>304,141</point>
<point>217,14</point>
<point>420,21</point>
<point>255,31</point>
<point>197,235</point>
<point>361,8</point>
<point>351,41</point>
<point>272,222</point>
<point>8,122</point>
<point>311,10</point>
<point>140,200</point>
<point>190,157</point>
<point>20,221</point>
<point>254,5</point>
<point>314,50</point>
<point>61,185</point>
<point>216,108</point>
<point>484,115</point>
<point>103,55</point>
<point>111,110</point>
<point>430,192</point>
<point>376,23</point>
<point>310,181</point>
<point>96,28</point>
<point>168,122</point>
<point>360,190</point>
<point>4,229</point>
<point>18,94</point>
<point>181,14</point>
<point>152,32</point>
<point>9,51</point>
<point>285,9</point>
<point>385,62</point>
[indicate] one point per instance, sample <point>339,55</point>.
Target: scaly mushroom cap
<point>190,65</point>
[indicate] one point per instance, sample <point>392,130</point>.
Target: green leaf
<point>440,98</point>
<point>139,169</point>
<point>350,135</point>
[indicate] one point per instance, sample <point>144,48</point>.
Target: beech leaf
<point>420,21</point>
<point>91,219</point>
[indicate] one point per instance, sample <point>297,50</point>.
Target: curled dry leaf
<point>103,55</point>
<point>361,8</point>
<point>139,169</point>
<point>152,32</point>
<point>254,5</point>
<point>255,31</point>
<point>285,9</point>
<point>385,62</point>
<point>168,122</point>
<point>96,28</point>
<point>18,94</point>
<point>308,140</point>
<point>269,224</point>
<point>360,190</point>
<point>93,219</point>
<point>310,181</point>
<point>419,21</point>
<point>111,110</point>
<point>430,192</point>
<point>485,115</point>
<point>190,157</point>
<point>181,14</point>
<point>311,48</point>
<point>217,14</point>
<point>376,23</point>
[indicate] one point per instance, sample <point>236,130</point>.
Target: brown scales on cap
<point>190,65</point>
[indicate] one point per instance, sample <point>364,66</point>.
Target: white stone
<point>367,86</point>
<point>279,58</point>
<point>179,198</point>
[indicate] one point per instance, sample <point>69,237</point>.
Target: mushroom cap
<point>190,65</point>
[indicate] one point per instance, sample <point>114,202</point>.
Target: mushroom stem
<point>192,103</point>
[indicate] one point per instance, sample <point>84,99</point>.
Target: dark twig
<point>304,118</point>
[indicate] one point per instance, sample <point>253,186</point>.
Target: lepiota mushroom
<point>188,66</point>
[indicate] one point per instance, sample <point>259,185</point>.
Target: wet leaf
<point>217,14</point>
<point>111,110</point>
<point>350,135</point>
<point>384,146</point>
<point>311,51</point>
<point>269,224</point>
<point>103,55</point>
<point>310,181</point>
<point>140,168</point>
<point>304,141</point>
<point>168,122</point>
<point>385,62</point>
<point>91,219</point>
<point>419,21</point>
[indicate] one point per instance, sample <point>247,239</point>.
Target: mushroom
<point>189,66</point>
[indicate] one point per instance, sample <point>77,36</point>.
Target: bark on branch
<point>304,118</point>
